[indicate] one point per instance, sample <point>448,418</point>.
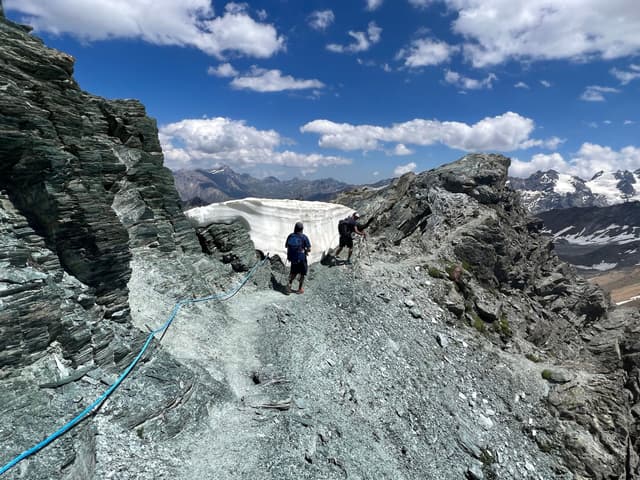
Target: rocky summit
<point>457,345</point>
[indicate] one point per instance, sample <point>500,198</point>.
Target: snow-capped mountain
<point>596,238</point>
<point>550,190</point>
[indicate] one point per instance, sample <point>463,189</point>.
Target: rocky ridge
<point>510,284</point>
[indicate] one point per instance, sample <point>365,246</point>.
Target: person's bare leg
<point>349,256</point>
<point>300,289</point>
<point>337,254</point>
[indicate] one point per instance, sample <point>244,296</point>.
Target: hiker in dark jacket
<point>346,229</point>
<point>298,247</point>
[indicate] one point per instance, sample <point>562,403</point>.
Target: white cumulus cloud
<point>595,93</point>
<point>165,22</point>
<point>626,76</point>
<point>540,161</point>
<point>521,85</point>
<point>589,160</point>
<point>362,40</point>
<point>424,52</point>
<point>421,3</point>
<point>400,150</point>
<point>321,19</point>
<point>545,83</point>
<point>402,169</point>
<point>373,4</point>
<point>223,70</point>
<point>506,132</point>
<point>500,30</point>
<point>466,83</point>
<point>262,80</point>
<point>203,143</point>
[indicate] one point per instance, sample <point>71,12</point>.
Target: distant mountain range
<point>202,187</point>
<point>596,238</point>
<point>550,190</point>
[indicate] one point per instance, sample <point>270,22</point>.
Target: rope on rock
<point>93,408</point>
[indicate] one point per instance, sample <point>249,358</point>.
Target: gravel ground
<point>362,376</point>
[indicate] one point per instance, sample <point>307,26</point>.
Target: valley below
<point>623,285</point>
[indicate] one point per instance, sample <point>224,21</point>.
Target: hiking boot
<point>347,262</point>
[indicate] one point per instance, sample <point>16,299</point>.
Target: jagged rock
<point>474,472</point>
<point>82,193</point>
<point>488,308</point>
<point>86,172</point>
<point>557,376</point>
<point>230,243</point>
<point>453,301</point>
<point>513,279</point>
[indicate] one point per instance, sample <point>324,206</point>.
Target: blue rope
<point>98,402</point>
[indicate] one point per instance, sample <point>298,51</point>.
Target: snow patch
<point>564,184</point>
<point>601,267</point>
<point>613,234</point>
<point>637,297</point>
<point>606,185</point>
<point>563,231</point>
<point>270,221</point>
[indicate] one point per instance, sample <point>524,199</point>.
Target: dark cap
<point>298,227</point>
<point>356,215</point>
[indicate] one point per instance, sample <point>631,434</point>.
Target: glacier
<point>269,221</point>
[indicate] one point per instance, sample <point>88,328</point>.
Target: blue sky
<point>361,90</point>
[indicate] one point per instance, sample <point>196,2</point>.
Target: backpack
<point>343,227</point>
<point>295,248</point>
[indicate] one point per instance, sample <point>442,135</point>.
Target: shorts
<point>346,241</point>
<point>297,268</point>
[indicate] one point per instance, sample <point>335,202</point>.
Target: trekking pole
<point>353,285</point>
<point>366,247</point>
<point>284,275</point>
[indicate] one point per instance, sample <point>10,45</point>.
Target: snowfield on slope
<point>269,221</point>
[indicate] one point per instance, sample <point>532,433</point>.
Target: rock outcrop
<point>498,273</point>
<point>85,172</point>
<point>83,198</point>
<point>229,243</point>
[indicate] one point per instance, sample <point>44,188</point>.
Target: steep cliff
<point>83,196</point>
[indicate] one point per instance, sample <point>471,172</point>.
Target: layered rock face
<point>83,197</point>
<point>508,283</point>
<point>85,173</point>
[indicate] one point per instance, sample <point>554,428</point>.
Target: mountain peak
<point>549,190</point>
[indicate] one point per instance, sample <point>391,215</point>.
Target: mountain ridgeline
<point>201,187</point>
<point>460,346</point>
<point>551,190</point>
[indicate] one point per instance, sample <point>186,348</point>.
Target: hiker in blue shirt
<point>346,229</point>
<point>298,247</point>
